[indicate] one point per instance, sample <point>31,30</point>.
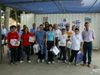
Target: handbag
<point>79,57</point>
<point>36,48</point>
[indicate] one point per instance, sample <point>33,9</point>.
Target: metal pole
<point>0,39</point>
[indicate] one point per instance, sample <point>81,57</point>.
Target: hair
<point>13,26</point>
<point>86,23</point>
<point>41,24</point>
<point>25,29</point>
<point>77,29</point>
<point>50,25</point>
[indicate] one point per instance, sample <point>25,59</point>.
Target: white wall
<point>27,19</point>
<point>56,18</point>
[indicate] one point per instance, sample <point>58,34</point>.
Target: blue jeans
<point>87,47</point>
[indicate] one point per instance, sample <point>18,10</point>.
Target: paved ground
<point>53,69</point>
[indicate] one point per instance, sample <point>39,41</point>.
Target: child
<point>13,35</point>
<point>62,46</point>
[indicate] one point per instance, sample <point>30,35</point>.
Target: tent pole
<point>0,39</point>
<point>7,15</point>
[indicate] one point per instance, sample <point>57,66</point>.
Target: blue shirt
<point>33,30</point>
<point>40,35</point>
<point>50,36</point>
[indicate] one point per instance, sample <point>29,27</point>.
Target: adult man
<point>57,33</point>
<point>46,26</point>
<point>40,39</point>
<point>88,37</point>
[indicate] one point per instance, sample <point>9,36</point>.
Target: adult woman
<point>50,43</point>
<point>25,43</point>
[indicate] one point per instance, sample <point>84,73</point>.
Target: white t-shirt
<point>4,31</point>
<point>63,39</point>
<point>76,40</point>
<point>57,33</point>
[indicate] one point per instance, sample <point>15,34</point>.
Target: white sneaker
<point>69,63</point>
<point>49,62</point>
<point>43,61</point>
<point>21,61</point>
<point>53,62</point>
<point>65,61</point>
<point>38,61</point>
<point>29,61</point>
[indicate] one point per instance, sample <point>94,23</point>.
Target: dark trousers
<point>62,53</point>
<point>87,47</point>
<point>27,51</point>
<point>19,56</point>
<point>73,55</point>
<point>41,56</point>
<point>14,53</point>
<point>32,51</point>
<point>50,44</point>
<point>68,52</point>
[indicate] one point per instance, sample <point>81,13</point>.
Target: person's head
<point>18,27</point>
<point>55,26</point>
<point>63,30</point>
<point>24,26</point>
<point>33,25</point>
<point>12,28</point>
<point>26,30</point>
<point>41,27</point>
<point>73,28</point>
<point>64,20</point>
<point>86,25</point>
<point>67,27</point>
<point>50,27</point>
<point>46,24</point>
<point>76,30</point>
<point>3,26</point>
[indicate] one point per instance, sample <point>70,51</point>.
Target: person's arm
<point>93,36</point>
<point>81,44</point>
<point>46,39</point>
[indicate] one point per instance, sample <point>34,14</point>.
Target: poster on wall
<point>76,23</point>
<point>88,19</point>
<point>45,19</point>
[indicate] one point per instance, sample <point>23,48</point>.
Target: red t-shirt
<point>25,39</point>
<point>12,35</point>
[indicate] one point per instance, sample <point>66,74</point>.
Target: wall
<point>57,18</point>
<point>27,19</point>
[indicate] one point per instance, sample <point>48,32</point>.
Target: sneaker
<point>53,62</point>
<point>29,61</point>
<point>89,65</point>
<point>83,64</point>
<point>43,61</point>
<point>58,61</point>
<point>38,61</point>
<point>21,61</point>
<point>49,62</point>
<point>69,63</point>
<point>65,61</point>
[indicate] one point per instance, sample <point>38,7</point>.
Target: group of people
<point>69,42</point>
